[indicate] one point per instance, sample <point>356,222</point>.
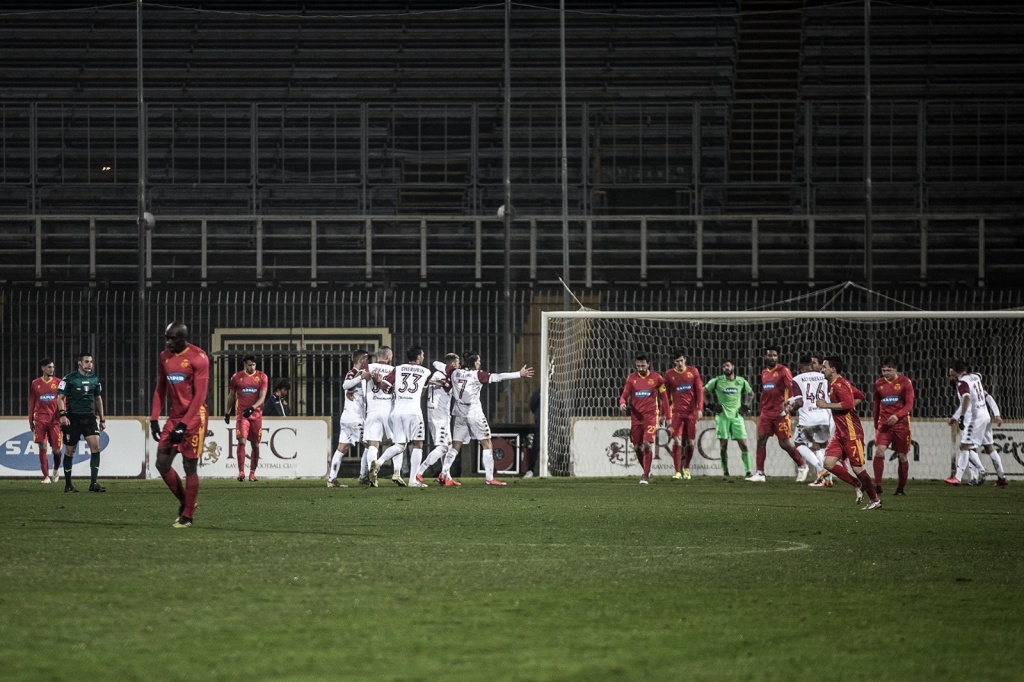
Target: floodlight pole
<point>869,264</point>
<point>565,163</point>
<point>507,172</point>
<point>143,229</point>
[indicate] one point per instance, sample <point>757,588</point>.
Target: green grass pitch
<point>550,579</point>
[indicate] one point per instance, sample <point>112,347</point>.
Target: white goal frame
<point>727,317</point>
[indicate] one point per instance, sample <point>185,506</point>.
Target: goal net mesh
<point>589,357</point>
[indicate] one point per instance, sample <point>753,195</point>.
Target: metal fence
<point>307,335</point>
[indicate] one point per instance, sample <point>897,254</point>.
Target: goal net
<point>589,354</point>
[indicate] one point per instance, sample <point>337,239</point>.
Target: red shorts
<point>250,429</point>
<point>48,433</point>
<point>782,427</point>
<point>195,436</point>
<point>852,450</point>
<point>684,426</point>
<point>642,432</point>
<point>896,436</point>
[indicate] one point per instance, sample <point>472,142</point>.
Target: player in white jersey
<point>470,422</point>
<point>973,415</point>
<point>439,416</point>
<point>352,415</point>
<point>815,423</point>
<point>408,383</point>
<point>378,408</point>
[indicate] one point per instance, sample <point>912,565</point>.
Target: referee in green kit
<point>80,404</point>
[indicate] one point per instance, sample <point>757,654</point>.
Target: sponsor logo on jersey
<point>21,454</point>
<point>769,386</point>
<point>47,397</point>
<point>250,389</point>
<point>683,388</point>
<point>643,393</point>
<point>175,378</point>
<point>890,399</point>
<point>731,390</point>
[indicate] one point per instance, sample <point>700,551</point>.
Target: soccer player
<point>645,397</point>
<point>732,396</point>
<point>893,400</point>
<point>247,390</point>
<point>43,420</point>
<point>80,404</point>
<point>776,386</point>
<point>470,422</point>
<point>378,413</point>
<point>686,403</point>
<point>848,440</point>
<point>439,414</point>
<point>815,424</point>
<point>975,422</point>
<point>408,382</point>
<point>183,378</point>
<point>352,415</point>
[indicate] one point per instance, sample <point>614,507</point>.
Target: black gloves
<point>227,417</point>
<point>745,411</point>
<point>178,434</point>
<point>248,412</point>
<point>154,428</point>
<point>961,422</point>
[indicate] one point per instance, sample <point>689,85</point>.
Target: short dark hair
<point>45,361</point>
<point>836,363</point>
<point>820,357</point>
<point>248,357</point>
<point>359,354</point>
<point>960,365</point>
<point>413,352</point>
<point>471,356</point>
<point>806,359</point>
<point>83,354</point>
<point>282,383</point>
<point>772,347</point>
<point>680,354</point>
<point>641,356</point>
<point>890,361</point>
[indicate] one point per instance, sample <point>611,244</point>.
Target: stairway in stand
<point>763,118</point>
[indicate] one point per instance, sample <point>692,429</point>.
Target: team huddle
<point>385,401</point>
<point>829,437</point>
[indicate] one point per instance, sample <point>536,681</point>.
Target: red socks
<point>902,471</point>
<point>677,456</point>
<point>840,472</point>
<point>44,462</point>
<point>879,465</point>
<point>173,482</point>
<point>646,458</point>
<point>688,457</point>
<point>191,493</point>
<point>867,485</point>
<point>255,459</point>
<point>240,456</point>
<point>762,455</point>
<point>794,455</point>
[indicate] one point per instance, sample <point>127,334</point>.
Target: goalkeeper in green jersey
<point>732,397</point>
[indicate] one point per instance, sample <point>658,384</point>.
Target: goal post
<point>586,356</point>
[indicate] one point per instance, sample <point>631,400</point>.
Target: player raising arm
<point>645,398</point>
<point>470,422</point>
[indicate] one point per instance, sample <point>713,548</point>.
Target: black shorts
<point>81,425</point>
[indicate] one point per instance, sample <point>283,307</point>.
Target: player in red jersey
<point>183,377</point>
<point>686,402</point>
<point>848,440</point>
<point>646,399</point>
<point>42,418</point>
<point>247,390</point>
<point>776,387</point>
<point>893,402</point>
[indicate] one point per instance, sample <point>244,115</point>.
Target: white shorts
<point>978,431</point>
<point>376,427</point>
<point>406,428</point>
<point>350,433</point>
<point>472,427</point>
<point>815,433</point>
<point>441,432</point>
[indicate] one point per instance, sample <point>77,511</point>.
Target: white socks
<point>414,464</point>
<point>488,457</point>
<point>335,465</point>
<point>810,457</point>
<point>369,454</point>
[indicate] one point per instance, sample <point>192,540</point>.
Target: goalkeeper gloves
<point>154,427</point>
<point>248,412</point>
<point>178,434</point>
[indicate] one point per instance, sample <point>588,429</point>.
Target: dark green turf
<point>541,580</point>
